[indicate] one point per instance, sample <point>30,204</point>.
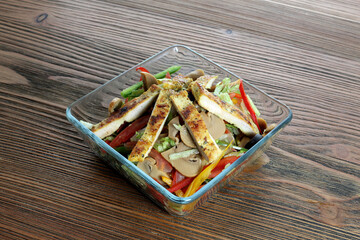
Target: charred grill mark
<point>154,119</point>
<point>139,149</point>
<point>124,109</point>
<point>186,112</point>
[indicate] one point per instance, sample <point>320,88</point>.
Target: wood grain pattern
<point>304,53</point>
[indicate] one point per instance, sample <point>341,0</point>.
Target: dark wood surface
<point>304,53</point>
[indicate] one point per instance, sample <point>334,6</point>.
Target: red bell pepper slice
<point>161,162</point>
<point>181,184</point>
<point>130,131</point>
<point>221,165</point>
<point>248,105</point>
<point>142,69</point>
<point>168,75</point>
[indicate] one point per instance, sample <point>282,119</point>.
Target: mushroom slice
<point>150,168</point>
<point>189,166</point>
<point>223,110</point>
<point>153,129</point>
<point>181,147</point>
<point>186,137</point>
<point>262,123</point>
<point>196,126</point>
<point>269,128</point>
<point>148,80</point>
<point>214,124</point>
<point>244,140</point>
<point>206,80</point>
<point>127,113</point>
<point>196,74</point>
<point>172,130</point>
<point>115,104</point>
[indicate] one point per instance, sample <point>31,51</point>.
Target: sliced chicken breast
<point>127,113</point>
<point>223,110</point>
<point>196,126</point>
<point>153,129</point>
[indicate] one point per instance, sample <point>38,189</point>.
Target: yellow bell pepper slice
<point>199,179</point>
<point>166,180</point>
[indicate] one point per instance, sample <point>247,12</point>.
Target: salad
<point>182,130</point>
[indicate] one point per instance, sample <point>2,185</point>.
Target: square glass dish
<point>93,108</point>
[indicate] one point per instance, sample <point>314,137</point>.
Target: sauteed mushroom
<point>186,138</point>
<point>214,124</point>
<point>196,74</point>
<point>148,80</point>
<point>150,168</point>
<point>115,104</point>
<point>262,124</point>
<point>269,128</point>
<point>188,166</point>
<point>172,130</point>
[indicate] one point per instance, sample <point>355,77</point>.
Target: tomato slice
<point>177,177</point>
<point>235,95</point>
<point>129,131</point>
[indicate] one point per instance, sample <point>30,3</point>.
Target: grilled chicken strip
<point>127,113</point>
<point>196,126</point>
<point>153,129</point>
<point>223,110</point>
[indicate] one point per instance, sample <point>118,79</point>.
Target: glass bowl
<point>93,108</point>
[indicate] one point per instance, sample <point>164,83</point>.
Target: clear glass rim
<point>148,179</point>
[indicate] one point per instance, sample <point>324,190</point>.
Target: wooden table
<point>304,53</point>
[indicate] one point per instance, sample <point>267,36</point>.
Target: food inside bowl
<point>182,130</point>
